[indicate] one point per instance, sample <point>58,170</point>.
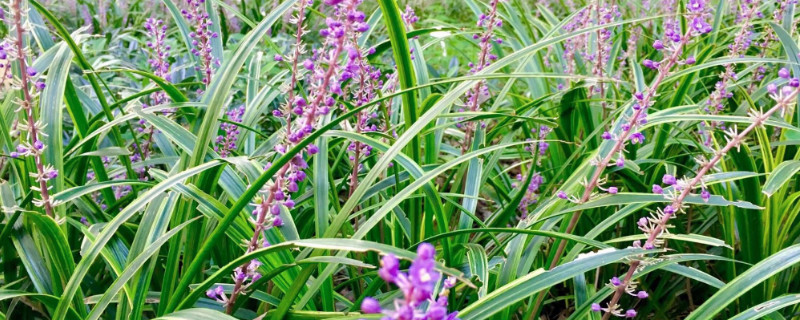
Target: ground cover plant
<point>420,159</point>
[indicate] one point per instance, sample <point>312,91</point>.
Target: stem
<point>485,45</point>
<point>157,97</point>
<point>661,226</point>
<point>144,150</point>
<point>296,56</point>
<point>599,65</point>
<point>618,146</point>
<point>253,244</point>
<point>364,85</point>
<point>717,97</point>
<point>354,173</point>
<point>620,141</point>
<point>768,38</point>
<point>27,104</point>
<point>266,204</point>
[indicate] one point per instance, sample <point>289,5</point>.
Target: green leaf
<point>183,27</point>
<point>226,75</point>
<point>106,152</point>
<point>780,176</point>
<point>478,266</point>
<point>764,309</point>
<point>108,232</point>
<point>170,89</point>
<point>629,198</point>
<point>347,245</point>
<point>694,238</point>
<point>52,105</point>
<point>196,314</point>
<point>405,69</point>
<point>244,200</point>
<point>46,299</point>
<point>131,269</point>
<point>757,274</point>
<point>538,280</point>
<point>77,192</point>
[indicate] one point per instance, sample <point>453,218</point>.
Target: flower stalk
<point>324,83</point>
<point>33,127</point>
<point>741,42</point>
<point>201,39</point>
<point>480,91</point>
<point>658,224</point>
<point>768,38</point>
<point>644,100</point>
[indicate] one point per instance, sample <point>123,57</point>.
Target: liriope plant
<point>391,159</point>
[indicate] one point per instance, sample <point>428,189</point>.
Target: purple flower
<point>370,305</point>
<point>691,60</point>
<point>422,274</point>
<point>637,138</point>
<point>390,268</point>
<point>784,73</point>
<point>650,64</point>
<point>658,45</point>
<point>479,93</point>
<point>449,282</point>
<point>308,64</point>
<point>31,71</point>
<point>642,294</point>
<point>700,25</point>
<point>562,195</point>
<point>613,190</point>
<point>217,293</point>
<point>278,57</point>
<point>158,60</point>
<point>657,189</point>
<point>606,135</point>
<point>201,39</point>
<point>409,17</point>
<point>772,88</point>
<point>300,102</point>
<point>596,307</point>
<point>696,5</point>
<point>426,251</point>
<point>616,282</point>
<point>226,143</point>
<point>668,179</point>
<point>705,195</point>
<point>630,313</point>
<point>417,287</point>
